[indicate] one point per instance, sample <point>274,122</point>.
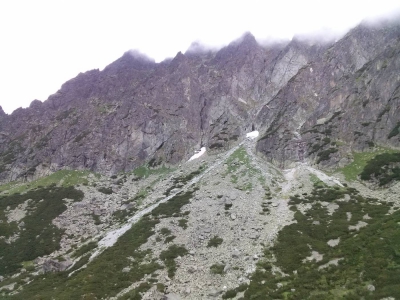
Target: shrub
<point>169,255</point>
<point>215,241</point>
<point>217,269</point>
<point>183,223</point>
<point>381,167</point>
<point>105,190</point>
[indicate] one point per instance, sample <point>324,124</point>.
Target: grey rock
<point>214,293</point>
<point>370,288</point>
<point>236,253</point>
<point>192,269</point>
<point>51,265</point>
<point>227,268</point>
<point>207,229</point>
<point>171,296</point>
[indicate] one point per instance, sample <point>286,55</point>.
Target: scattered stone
<point>207,229</point>
<point>316,223</point>
<point>334,242</point>
<point>171,297</point>
<point>370,287</point>
<point>235,253</point>
<point>126,270</point>
<point>51,265</point>
<point>233,216</point>
<point>366,217</point>
<point>254,236</point>
<point>226,268</point>
<point>214,293</point>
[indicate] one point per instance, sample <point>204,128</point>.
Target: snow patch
<point>252,135</point>
<point>198,154</point>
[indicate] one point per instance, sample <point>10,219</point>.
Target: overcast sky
<point>46,42</point>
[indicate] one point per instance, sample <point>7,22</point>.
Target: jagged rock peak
<point>131,59</point>
<point>247,40</point>
<point>2,113</point>
<point>196,48</point>
<point>36,104</point>
<point>240,47</point>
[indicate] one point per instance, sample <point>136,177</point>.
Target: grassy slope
<point>64,178</point>
<point>353,170</point>
<point>368,256</point>
<point>104,277</point>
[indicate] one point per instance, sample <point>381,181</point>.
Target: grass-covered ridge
<point>367,256</point>
<point>241,177</point>
<point>63,178</point>
<point>145,171</point>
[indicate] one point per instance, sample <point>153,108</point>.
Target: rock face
<point>51,265</point>
<point>308,100</point>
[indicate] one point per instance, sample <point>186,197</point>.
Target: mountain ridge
<point>292,193</point>
<point>136,110</point>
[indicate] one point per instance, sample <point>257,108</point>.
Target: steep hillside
<point>226,226</point>
<point>254,172</point>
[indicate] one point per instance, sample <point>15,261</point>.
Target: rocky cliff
<point>309,100</point>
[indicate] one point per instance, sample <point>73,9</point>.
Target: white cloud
<point>46,42</point>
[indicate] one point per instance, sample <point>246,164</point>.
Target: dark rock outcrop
<point>309,100</point>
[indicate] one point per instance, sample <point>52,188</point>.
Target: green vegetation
<point>324,155</point>
<point>39,237</point>
<point>135,294</point>
<point>141,195</point>
<point>382,113</point>
<point>169,239</point>
<point>360,160</point>
<point>103,277</point>
<point>168,256</point>
<point>165,231</point>
<point>383,167</point>
<point>395,131</point>
<point>232,293</point>
<point>184,179</point>
<point>84,249</point>
<point>366,256</point>
<point>105,190</point>
<point>64,178</point>
<point>183,223</point>
<point>217,269</point>
<point>144,171</point>
<point>215,241</point>
<point>238,159</point>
